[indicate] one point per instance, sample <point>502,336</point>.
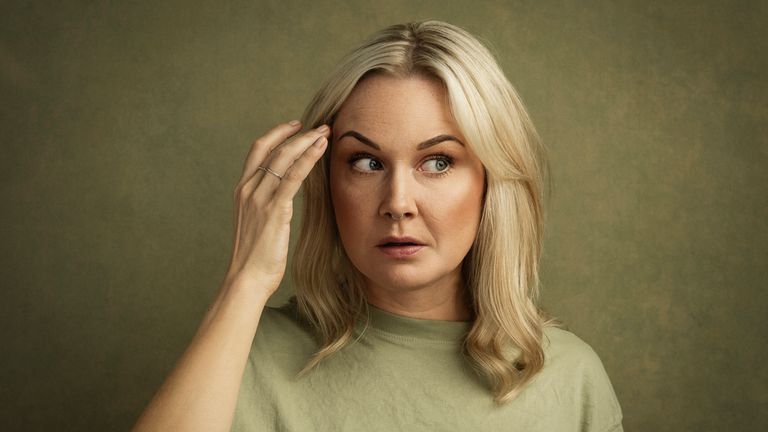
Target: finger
<point>283,158</point>
<point>259,152</point>
<point>263,145</point>
<point>299,171</point>
<point>248,185</point>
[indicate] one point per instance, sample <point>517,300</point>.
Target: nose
<point>398,201</point>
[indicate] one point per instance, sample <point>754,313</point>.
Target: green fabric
<point>408,374</point>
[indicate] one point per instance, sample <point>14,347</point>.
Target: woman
<point>416,269</point>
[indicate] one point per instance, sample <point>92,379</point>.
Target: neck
<point>445,300</point>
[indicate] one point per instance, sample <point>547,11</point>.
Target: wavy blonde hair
<point>501,268</point>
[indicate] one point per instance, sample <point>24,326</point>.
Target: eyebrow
<point>422,145</point>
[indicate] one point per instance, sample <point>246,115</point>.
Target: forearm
<point>202,389</point>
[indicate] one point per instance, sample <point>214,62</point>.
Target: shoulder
<point>565,351</point>
<point>281,328</point>
<point>573,366</point>
<point>286,314</point>
<point>561,345</point>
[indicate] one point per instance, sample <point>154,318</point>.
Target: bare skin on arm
<point>200,393</point>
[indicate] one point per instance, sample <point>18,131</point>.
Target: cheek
<point>455,211</point>
<point>458,200</point>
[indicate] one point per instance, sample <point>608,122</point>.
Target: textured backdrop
<point>124,129</point>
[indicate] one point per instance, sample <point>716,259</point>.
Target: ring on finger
<point>265,169</point>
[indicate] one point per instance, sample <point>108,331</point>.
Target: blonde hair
<point>501,268</point>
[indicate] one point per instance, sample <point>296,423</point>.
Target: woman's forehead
<point>388,88</point>
<point>394,102</point>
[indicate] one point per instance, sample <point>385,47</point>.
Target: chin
<point>401,279</point>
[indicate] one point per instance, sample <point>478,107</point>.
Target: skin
<point>442,212</point>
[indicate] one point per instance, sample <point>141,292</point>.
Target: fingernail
<point>320,142</point>
<point>322,128</point>
<point>294,122</point>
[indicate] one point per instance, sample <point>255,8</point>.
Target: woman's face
<point>399,168</point>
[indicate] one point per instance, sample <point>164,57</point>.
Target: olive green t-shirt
<point>408,374</point>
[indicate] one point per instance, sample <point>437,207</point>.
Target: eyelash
<point>437,156</point>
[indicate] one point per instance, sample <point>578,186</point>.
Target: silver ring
<point>270,171</point>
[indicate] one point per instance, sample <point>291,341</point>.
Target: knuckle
<point>292,175</point>
<point>278,152</point>
<point>284,210</point>
<point>279,209</point>
<point>256,205</point>
<point>316,136</point>
<point>238,192</point>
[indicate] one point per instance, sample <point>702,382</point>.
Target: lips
<point>400,241</point>
<point>400,252</point>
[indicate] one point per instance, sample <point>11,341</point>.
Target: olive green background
<point>125,127</point>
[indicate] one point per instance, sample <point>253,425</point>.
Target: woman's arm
<point>200,394</point>
<point>201,391</point>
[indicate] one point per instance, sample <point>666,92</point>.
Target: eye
<point>441,164</point>
<point>362,162</point>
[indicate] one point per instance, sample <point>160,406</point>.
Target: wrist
<point>253,291</point>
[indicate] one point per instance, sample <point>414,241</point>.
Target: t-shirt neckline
<point>439,330</point>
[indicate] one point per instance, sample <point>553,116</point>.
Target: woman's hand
<point>264,203</point>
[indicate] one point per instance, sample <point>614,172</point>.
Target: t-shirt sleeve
<point>281,346</point>
<point>583,386</point>
<point>600,409</point>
